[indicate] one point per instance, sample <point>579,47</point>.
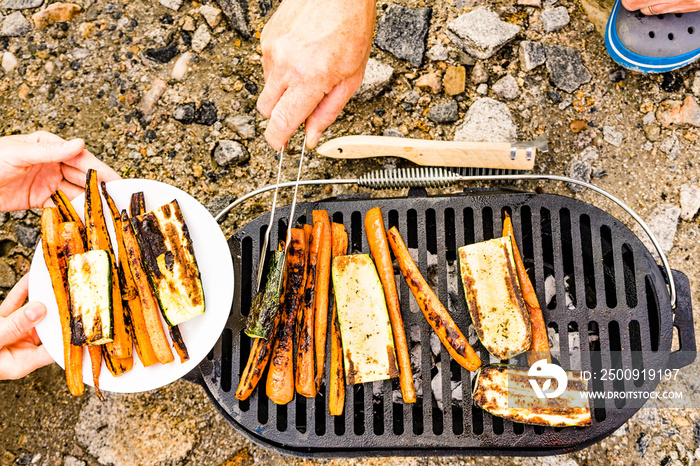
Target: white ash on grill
<point>550,291</point>
<point>436,388</point>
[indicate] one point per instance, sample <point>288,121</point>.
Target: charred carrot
<point>98,239</point>
<point>72,243</point>
<point>336,385</point>
<point>539,349</point>
<point>138,204</point>
<point>379,247</point>
<point>56,265</point>
<point>280,376</point>
<point>305,380</point>
<point>149,303</point>
<point>130,294</point>
<point>116,366</point>
<point>67,210</point>
<point>179,343</point>
<point>323,275</point>
<point>435,313</point>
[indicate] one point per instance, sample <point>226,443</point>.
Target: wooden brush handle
<point>428,152</point>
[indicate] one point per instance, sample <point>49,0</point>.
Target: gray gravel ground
<point>107,75</point>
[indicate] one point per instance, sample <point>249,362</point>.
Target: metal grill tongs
<point>435,177</point>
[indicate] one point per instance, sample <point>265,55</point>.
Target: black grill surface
<point>617,301</point>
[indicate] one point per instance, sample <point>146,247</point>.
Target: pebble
<point>430,81</point>
<point>617,76</point>
<point>211,15</point>
<point>652,132</point>
<point>73,461</point>
<point>554,97</point>
<point>151,98</point>
<point>532,55</point>
<point>642,444</point>
<point>663,222</point>
<point>24,91</point>
<point>162,54</point>
<point>437,52</point>
<point>536,3</point>
<point>9,62</point>
<point>649,118</point>
<point>454,80</point>
<point>180,68</point>
<point>479,74</point>
<point>236,11</point>
<point>612,136</point>
<point>15,25</point>
<point>554,19</point>
<point>690,201</point>
<point>189,24</point>
<point>411,97</point>
<point>444,113</point>
<point>206,114</point>
<point>7,275</point>
<point>56,13</point>
<point>201,38</point>
<point>389,132</point>
<point>3,217</point>
<point>229,152</point>
<point>172,4</point>
<point>481,32</point>
<point>219,203</point>
<point>695,87</point>
<point>566,69</point>
<point>185,113</point>
<point>487,120</point>
<point>671,147</point>
<point>578,170</point>
<point>244,125</point>
<point>19,214</point>
<point>21,4</point>
<point>506,87</point>
<point>576,126</point>
<point>676,112</point>
<point>402,32</point>
<point>377,76</point>
<point>589,153</point>
<point>482,89</point>
<point>27,236</point>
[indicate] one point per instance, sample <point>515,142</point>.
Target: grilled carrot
<point>305,380</point>
<point>98,238</point>
<point>433,310</point>
<point>72,243</point>
<point>323,276</point>
<point>56,265</point>
<point>138,207</point>
<point>67,210</point>
<point>379,247</point>
<point>539,349</point>
<point>130,294</point>
<point>280,376</point>
<point>116,366</point>
<point>149,303</point>
<point>336,385</point>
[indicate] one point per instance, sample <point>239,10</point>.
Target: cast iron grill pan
<point>610,298</point>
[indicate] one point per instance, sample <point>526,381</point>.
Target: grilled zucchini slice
<point>172,268</point>
<point>368,344</point>
<point>493,295</point>
<point>90,285</point>
<point>505,391</point>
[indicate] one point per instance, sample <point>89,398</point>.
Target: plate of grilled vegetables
<point>137,278</point>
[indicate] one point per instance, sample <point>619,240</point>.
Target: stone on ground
<point>507,87</point>
<point>162,54</point>
<point>377,76</point>
<point>487,120</point>
<point>206,114</point>
<point>696,84</point>
<point>27,236</point>
<point>236,11</point>
<point>481,32</point>
<point>402,32</point>
<point>579,170</point>
<point>185,113</point>
<point>180,68</point>
<point>151,99</point>
<point>444,113</point>
<point>554,19</point>
<point>612,136</point>
<point>229,152</point>
<point>454,80</point>
<point>56,13</point>
<point>663,222</point>
<point>566,69</point>
<point>672,112</point>
<point>479,74</point>
<point>671,147</point>
<point>211,15</point>
<point>172,4</point>
<point>15,25</point>
<point>690,201</point>
<point>21,4</point>
<point>430,81</point>
<point>9,62</point>
<point>201,38</point>
<point>437,52</point>
<point>532,55</point>
<point>244,125</point>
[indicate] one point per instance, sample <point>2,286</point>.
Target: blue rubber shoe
<point>652,44</point>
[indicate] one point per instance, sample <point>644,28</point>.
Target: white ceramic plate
<point>199,334</point>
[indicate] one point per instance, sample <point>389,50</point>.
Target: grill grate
<point>609,297</point>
